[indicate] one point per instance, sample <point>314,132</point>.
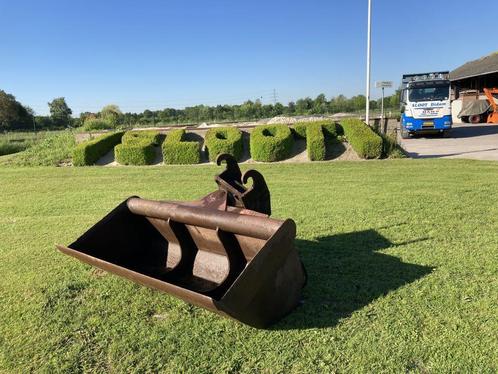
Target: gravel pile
<point>291,120</point>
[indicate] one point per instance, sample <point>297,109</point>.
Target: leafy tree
<point>222,112</point>
<point>320,104</point>
<point>358,102</point>
<point>258,109</point>
<point>278,109</point>
<point>30,110</point>
<point>43,123</point>
<point>228,111</point>
<point>111,114</point>
<point>60,112</point>
<point>291,108</point>
<point>393,100</point>
<point>85,115</point>
<point>247,110</point>
<point>13,115</point>
<point>304,106</point>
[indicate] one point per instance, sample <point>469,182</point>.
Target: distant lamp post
<point>369,54</point>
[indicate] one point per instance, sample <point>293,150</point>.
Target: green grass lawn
<point>402,258</point>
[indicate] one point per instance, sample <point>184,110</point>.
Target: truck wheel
<point>465,119</point>
<point>475,118</point>
<point>404,133</point>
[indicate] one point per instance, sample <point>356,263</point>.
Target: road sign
<point>383,84</point>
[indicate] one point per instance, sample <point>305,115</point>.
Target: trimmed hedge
<point>391,148</point>
<point>362,138</point>
<point>271,143</point>
<point>176,150</point>
<point>137,148</point>
<point>146,136</point>
<point>223,140</point>
<point>299,130</point>
<point>330,128</point>
<point>315,142</point>
<point>87,153</point>
<point>316,134</point>
<point>135,154</point>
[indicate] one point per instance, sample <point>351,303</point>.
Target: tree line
<point>16,116</point>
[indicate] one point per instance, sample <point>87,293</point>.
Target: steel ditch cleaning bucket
<point>215,253</point>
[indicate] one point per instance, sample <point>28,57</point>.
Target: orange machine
<point>492,95</point>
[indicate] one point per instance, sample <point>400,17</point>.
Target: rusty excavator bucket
<point>221,252</point>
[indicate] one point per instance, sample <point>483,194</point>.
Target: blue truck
<point>425,101</point>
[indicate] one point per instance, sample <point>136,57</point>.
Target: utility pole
<point>274,96</point>
<point>369,55</point>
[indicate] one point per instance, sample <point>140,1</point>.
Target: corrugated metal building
<point>469,80</point>
<point>475,75</point>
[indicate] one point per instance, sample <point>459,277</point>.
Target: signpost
<point>383,84</point>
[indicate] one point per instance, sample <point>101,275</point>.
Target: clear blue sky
<point>156,54</point>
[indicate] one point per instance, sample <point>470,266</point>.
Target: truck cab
<point>425,104</point>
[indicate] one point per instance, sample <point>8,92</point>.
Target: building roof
<point>482,66</point>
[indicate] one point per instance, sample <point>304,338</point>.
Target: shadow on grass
<point>345,273</point>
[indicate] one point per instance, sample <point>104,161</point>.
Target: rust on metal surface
<point>221,252</point>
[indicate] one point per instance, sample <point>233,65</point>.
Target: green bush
<point>330,128</point>
<point>318,133</point>
<point>271,143</point>
<point>362,138</point>
<point>321,132</point>
<point>87,153</point>
<point>224,140</point>
<point>96,124</point>
<point>177,150</point>
<point>135,154</point>
<point>137,148</point>
<point>145,136</point>
<point>390,147</point>
<point>299,130</point>
<point>315,142</point>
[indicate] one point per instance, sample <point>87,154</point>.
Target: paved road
<point>478,142</point>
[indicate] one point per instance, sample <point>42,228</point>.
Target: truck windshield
<point>429,94</point>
